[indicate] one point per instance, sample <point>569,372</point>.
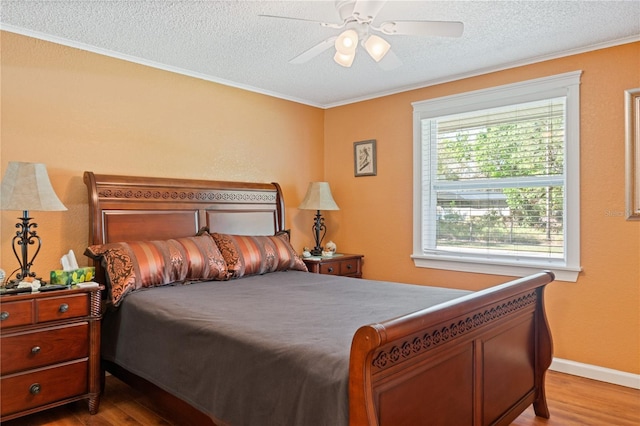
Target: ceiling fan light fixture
<point>376,47</point>
<point>344,60</point>
<point>347,42</point>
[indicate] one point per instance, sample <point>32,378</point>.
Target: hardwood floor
<point>573,401</point>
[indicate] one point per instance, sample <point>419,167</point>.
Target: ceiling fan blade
<point>324,24</point>
<point>390,61</point>
<point>368,9</point>
<point>429,28</point>
<point>314,51</point>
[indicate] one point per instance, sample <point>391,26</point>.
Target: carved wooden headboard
<point>133,208</point>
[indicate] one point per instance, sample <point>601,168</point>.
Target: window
<point>496,179</point>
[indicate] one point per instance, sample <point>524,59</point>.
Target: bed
<point>278,345</point>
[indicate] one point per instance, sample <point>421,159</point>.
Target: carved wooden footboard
<point>478,360</point>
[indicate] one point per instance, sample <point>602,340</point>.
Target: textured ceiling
<point>227,42</point>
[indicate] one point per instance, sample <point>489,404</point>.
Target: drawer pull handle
<point>63,308</point>
<point>35,349</point>
<point>4,315</point>
<point>34,389</point>
<point>349,266</point>
<point>330,269</point>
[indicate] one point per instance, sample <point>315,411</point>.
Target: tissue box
<point>76,276</point>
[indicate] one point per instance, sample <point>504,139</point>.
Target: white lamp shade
<point>377,47</point>
<point>347,42</point>
<point>344,60</point>
<point>318,197</point>
<point>26,186</point>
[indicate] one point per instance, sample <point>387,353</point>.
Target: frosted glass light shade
<point>347,42</point>
<point>377,47</point>
<point>344,60</point>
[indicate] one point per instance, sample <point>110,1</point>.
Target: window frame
<point>561,85</point>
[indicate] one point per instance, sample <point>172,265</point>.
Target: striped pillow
<point>253,255</point>
<point>139,264</point>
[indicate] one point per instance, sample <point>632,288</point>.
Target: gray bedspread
<point>262,350</point>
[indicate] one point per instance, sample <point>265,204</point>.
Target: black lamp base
<point>25,236</point>
<point>318,227</point>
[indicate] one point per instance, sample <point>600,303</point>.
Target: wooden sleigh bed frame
<point>480,359</point>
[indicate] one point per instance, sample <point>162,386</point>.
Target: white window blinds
<point>496,180</point>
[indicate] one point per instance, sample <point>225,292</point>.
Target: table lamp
<point>25,187</point>
<point>318,198</point>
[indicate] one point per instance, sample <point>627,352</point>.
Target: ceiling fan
<point>357,22</point>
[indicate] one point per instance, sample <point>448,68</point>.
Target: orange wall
<point>595,320</point>
<point>77,111</point>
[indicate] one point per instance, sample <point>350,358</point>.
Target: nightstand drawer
<point>33,389</point>
<point>342,267</point>
<point>63,307</point>
<point>349,267</point>
<point>346,265</point>
<point>13,314</point>
<point>330,268</point>
<point>40,348</point>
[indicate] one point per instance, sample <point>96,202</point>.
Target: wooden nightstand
<point>347,265</point>
<point>49,350</point>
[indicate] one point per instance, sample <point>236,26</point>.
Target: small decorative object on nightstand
<point>50,350</point>
<point>330,249</point>
<point>347,265</point>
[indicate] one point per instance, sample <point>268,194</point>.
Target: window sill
<point>489,266</point>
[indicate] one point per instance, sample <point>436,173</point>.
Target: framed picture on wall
<point>364,158</point>
<point>632,153</point>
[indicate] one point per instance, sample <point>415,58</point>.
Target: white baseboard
<point>594,372</point>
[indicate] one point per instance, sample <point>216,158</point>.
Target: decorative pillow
<point>253,255</point>
<point>139,264</point>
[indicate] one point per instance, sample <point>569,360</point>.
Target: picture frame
<point>632,153</point>
<point>365,158</point>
